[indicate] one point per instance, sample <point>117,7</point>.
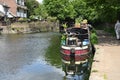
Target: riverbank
<point>30,27</point>
<point>106,60</point>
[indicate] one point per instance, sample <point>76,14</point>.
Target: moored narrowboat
<point>76,48</point>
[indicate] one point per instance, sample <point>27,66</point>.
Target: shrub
<point>94,38</point>
<point>110,30</point>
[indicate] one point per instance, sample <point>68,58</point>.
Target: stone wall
<point>30,27</point>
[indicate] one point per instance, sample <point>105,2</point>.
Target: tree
<point>61,9</point>
<point>108,10</point>
<point>31,5</point>
<point>41,12</point>
<point>83,10</point>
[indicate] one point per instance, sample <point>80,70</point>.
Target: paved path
<point>106,65</point>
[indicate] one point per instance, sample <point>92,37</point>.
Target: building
<point>13,8</point>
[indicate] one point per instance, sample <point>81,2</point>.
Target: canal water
<point>30,57</point>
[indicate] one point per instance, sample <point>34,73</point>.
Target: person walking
<point>117,29</point>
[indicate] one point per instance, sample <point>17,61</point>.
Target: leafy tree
<point>61,9</point>
<point>84,11</point>
<point>41,12</point>
<point>93,10</point>
<point>108,10</point>
<point>31,5</point>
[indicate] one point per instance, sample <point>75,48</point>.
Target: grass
<point>105,77</point>
<point>94,70</point>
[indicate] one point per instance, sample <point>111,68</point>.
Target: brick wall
<point>12,4</point>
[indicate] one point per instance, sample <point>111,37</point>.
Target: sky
<point>40,1</point>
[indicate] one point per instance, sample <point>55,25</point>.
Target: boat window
<point>72,42</point>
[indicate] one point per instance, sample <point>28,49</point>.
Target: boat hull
<point>74,55</point>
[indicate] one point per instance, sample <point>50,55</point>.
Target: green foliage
<point>72,9</point>
<point>78,20</point>
<point>36,10</point>
<point>60,8</point>
<point>79,6</point>
<point>93,10</point>
<point>110,30</point>
<point>32,17</point>
<point>22,19</point>
<point>105,77</point>
<point>94,70</point>
<point>51,19</point>
<point>31,5</point>
<point>65,25</point>
<point>94,38</point>
<point>83,10</point>
<point>63,37</point>
<point>107,10</point>
<point>53,51</point>
<point>93,30</point>
<point>41,12</point>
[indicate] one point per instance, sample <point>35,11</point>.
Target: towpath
<point>106,65</point>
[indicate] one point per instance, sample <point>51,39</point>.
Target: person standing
<point>117,29</point>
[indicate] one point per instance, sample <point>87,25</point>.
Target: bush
<point>94,38</point>
<point>22,19</point>
<point>110,30</point>
<point>51,19</point>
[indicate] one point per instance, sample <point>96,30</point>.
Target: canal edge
<point>95,74</point>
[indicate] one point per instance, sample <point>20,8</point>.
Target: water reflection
<point>31,57</point>
<point>53,52</point>
<point>53,57</point>
<point>39,71</point>
<point>23,57</point>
